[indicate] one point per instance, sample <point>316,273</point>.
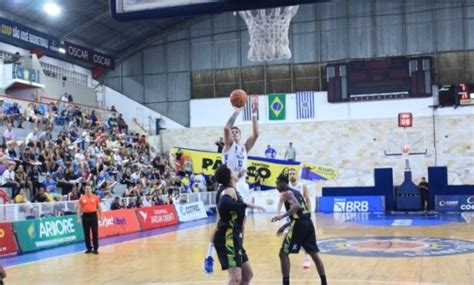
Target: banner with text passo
<point>23,36</point>
<point>191,211</point>
<point>349,204</point>
<point>47,232</point>
<point>206,162</point>
<point>118,222</point>
<point>89,55</point>
<point>157,216</point>
<point>7,240</point>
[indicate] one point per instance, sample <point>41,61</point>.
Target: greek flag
<point>304,105</point>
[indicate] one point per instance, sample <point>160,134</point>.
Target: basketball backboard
<point>129,10</point>
<point>396,140</point>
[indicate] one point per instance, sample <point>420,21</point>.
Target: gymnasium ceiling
<point>88,23</point>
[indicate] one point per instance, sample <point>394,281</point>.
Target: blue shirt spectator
<point>50,184</point>
<point>270,152</point>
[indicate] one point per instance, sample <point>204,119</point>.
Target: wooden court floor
<point>176,258</point>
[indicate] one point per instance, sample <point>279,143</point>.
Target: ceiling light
<point>52,9</point>
<point>62,50</point>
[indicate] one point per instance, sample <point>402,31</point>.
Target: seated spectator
<point>8,179</point>
<point>20,198</point>
<point>74,195</point>
<point>13,113</point>
<point>122,125</point>
<point>3,116</point>
<point>32,114</point>
<point>50,185</point>
<point>32,140</point>
<point>9,137</point>
<point>41,196</point>
<point>115,204</point>
<point>112,121</point>
<point>20,176</point>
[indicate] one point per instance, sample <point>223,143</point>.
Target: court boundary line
<point>105,246</point>
<point>303,280</point>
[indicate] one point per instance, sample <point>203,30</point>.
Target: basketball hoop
<point>268,30</point>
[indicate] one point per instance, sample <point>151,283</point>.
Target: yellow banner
<point>207,162</point>
<point>318,172</point>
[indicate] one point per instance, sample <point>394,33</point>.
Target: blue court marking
<point>404,219</point>
<point>80,246</point>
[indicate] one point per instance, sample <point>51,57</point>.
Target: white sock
<point>210,249</point>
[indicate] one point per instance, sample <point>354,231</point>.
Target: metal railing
<point>61,73</point>
<point>24,211</point>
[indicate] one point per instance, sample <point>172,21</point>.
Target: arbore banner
<point>118,222</point>
<point>206,162</point>
<point>7,240</point>
<point>48,232</point>
<point>157,216</point>
<point>191,211</point>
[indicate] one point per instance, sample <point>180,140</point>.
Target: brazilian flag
<point>277,106</point>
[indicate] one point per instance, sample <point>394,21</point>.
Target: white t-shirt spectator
<point>9,135</point>
<point>8,175</point>
<point>31,137</point>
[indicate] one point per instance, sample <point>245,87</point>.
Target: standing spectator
<point>220,144</point>
<point>16,58</point>
<point>8,179</point>
<point>270,152</point>
<point>290,153</point>
<point>70,99</point>
<point>423,187</point>
<point>89,208</point>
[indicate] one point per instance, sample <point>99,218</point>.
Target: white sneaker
<point>307,262</point>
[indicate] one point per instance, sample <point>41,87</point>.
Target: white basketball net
<point>269,33</point>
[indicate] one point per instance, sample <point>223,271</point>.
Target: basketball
<point>238,98</point>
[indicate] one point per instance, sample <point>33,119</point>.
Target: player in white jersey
<point>235,157</point>
<point>300,187</point>
<point>235,153</point>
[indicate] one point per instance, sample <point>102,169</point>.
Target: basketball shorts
<point>300,235</point>
<point>229,248</point>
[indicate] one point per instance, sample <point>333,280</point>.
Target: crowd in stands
<point>87,150</point>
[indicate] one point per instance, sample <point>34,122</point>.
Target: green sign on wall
<point>48,232</point>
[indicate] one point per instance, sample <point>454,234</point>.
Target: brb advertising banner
<point>206,162</point>
<point>351,204</point>
<point>454,203</point>
<point>48,232</point>
<point>7,240</point>
<point>157,216</point>
<point>191,211</point>
<point>118,222</point>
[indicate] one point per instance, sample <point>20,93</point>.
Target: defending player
<point>299,186</point>
<point>301,232</point>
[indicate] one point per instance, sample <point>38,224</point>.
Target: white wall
<point>216,112</point>
<point>131,109</point>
